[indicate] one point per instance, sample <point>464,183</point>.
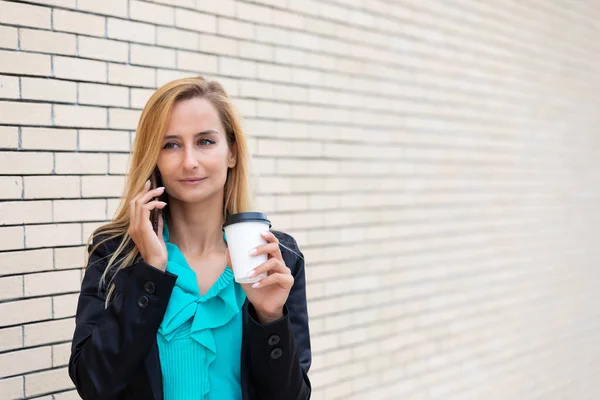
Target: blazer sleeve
<point>110,344</point>
<point>280,353</point>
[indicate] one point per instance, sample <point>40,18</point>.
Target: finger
<point>284,280</point>
<point>146,197</point>
<point>160,227</point>
<point>269,237</point>
<point>272,265</point>
<point>133,218</point>
<point>269,248</point>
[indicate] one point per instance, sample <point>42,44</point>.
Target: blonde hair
<point>146,147</point>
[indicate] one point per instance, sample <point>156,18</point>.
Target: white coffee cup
<point>242,231</point>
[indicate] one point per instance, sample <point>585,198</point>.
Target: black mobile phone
<point>155,181</point>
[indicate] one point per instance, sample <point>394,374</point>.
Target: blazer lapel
<point>152,364</point>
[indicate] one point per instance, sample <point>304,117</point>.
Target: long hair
<point>146,147</point>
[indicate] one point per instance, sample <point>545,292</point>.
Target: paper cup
<point>243,234</point>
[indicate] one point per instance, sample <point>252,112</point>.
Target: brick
<point>177,38</point>
<point>274,73</point>
<point>70,395</point>
<point>120,118</point>
<point>113,205</point>
<point>65,305</point>
<point>139,97</point>
<point>218,45</point>
<point>48,42</point>
<point>118,8</point>
<point>9,86</point>
<point>270,34</point>
<point>197,62</point>
<point>60,355</point>
<point>49,139</point>
<point>79,116</point>
<point>76,22</point>
<point>153,13</point>
<point>24,14</point>
<point>9,137</point>
<point>131,76</point>
<point>49,89</point>
<point>102,186</point>
<point>52,235</point>
<point>11,288</point>
<point>103,140</point>
<point>47,381</point>
<point>25,261</point>
<point>234,28</point>
<point>223,7</point>
<point>254,13</point>
<point>21,361</point>
<point>288,20</point>
<point>152,56</point>
<point>103,49</point>
<point>18,312</point>
<point>59,3</point>
<point>256,51</point>
<point>62,282</point>
<point>195,21</point>
<point>24,63</point>
<point>236,67</point>
<point>25,113</point>
<point>78,69</point>
<point>81,163</point>
<point>17,212</point>
<point>167,75</point>
<point>40,187</point>
<point>11,338</point>
<point>90,227</point>
<point>118,163</point>
<point>9,37</point>
<point>12,388</point>
<point>69,257</point>
<point>131,31</point>
<point>103,95</point>
<point>25,163</point>
<point>79,210</point>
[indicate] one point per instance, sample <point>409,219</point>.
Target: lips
<point>191,181</point>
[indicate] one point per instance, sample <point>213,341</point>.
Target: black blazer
<point>114,354</point>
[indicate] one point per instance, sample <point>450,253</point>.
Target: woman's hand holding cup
<point>151,247</point>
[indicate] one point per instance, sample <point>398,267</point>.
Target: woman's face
<point>194,158</point>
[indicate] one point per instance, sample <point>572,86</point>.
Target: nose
<point>189,158</point>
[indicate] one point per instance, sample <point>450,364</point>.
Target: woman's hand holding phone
<point>150,244</point>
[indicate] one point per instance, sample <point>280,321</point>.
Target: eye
<point>206,142</point>
<point>170,145</point>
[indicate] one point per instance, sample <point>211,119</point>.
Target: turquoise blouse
<point>200,337</point>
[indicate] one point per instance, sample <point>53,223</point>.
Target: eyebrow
<point>207,132</point>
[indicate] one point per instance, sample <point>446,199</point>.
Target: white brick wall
<point>436,161</point>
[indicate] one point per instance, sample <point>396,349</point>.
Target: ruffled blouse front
<point>199,339</point>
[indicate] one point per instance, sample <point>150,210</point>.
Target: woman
<point>160,315</point>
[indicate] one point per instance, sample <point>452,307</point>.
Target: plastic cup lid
<point>245,217</point>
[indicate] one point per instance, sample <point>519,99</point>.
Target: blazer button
<point>276,353</point>
<point>149,287</point>
<point>273,340</point>
<point>142,302</point>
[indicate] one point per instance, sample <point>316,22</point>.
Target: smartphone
<point>155,181</point>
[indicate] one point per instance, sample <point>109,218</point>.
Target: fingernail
<point>252,252</point>
<point>255,285</point>
<point>264,233</point>
<point>161,188</point>
<point>251,274</point>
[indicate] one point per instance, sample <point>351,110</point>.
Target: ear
<point>232,158</point>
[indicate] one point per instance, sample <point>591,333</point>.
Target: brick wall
<point>443,187</point>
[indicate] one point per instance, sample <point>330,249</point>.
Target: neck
<point>196,228</point>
